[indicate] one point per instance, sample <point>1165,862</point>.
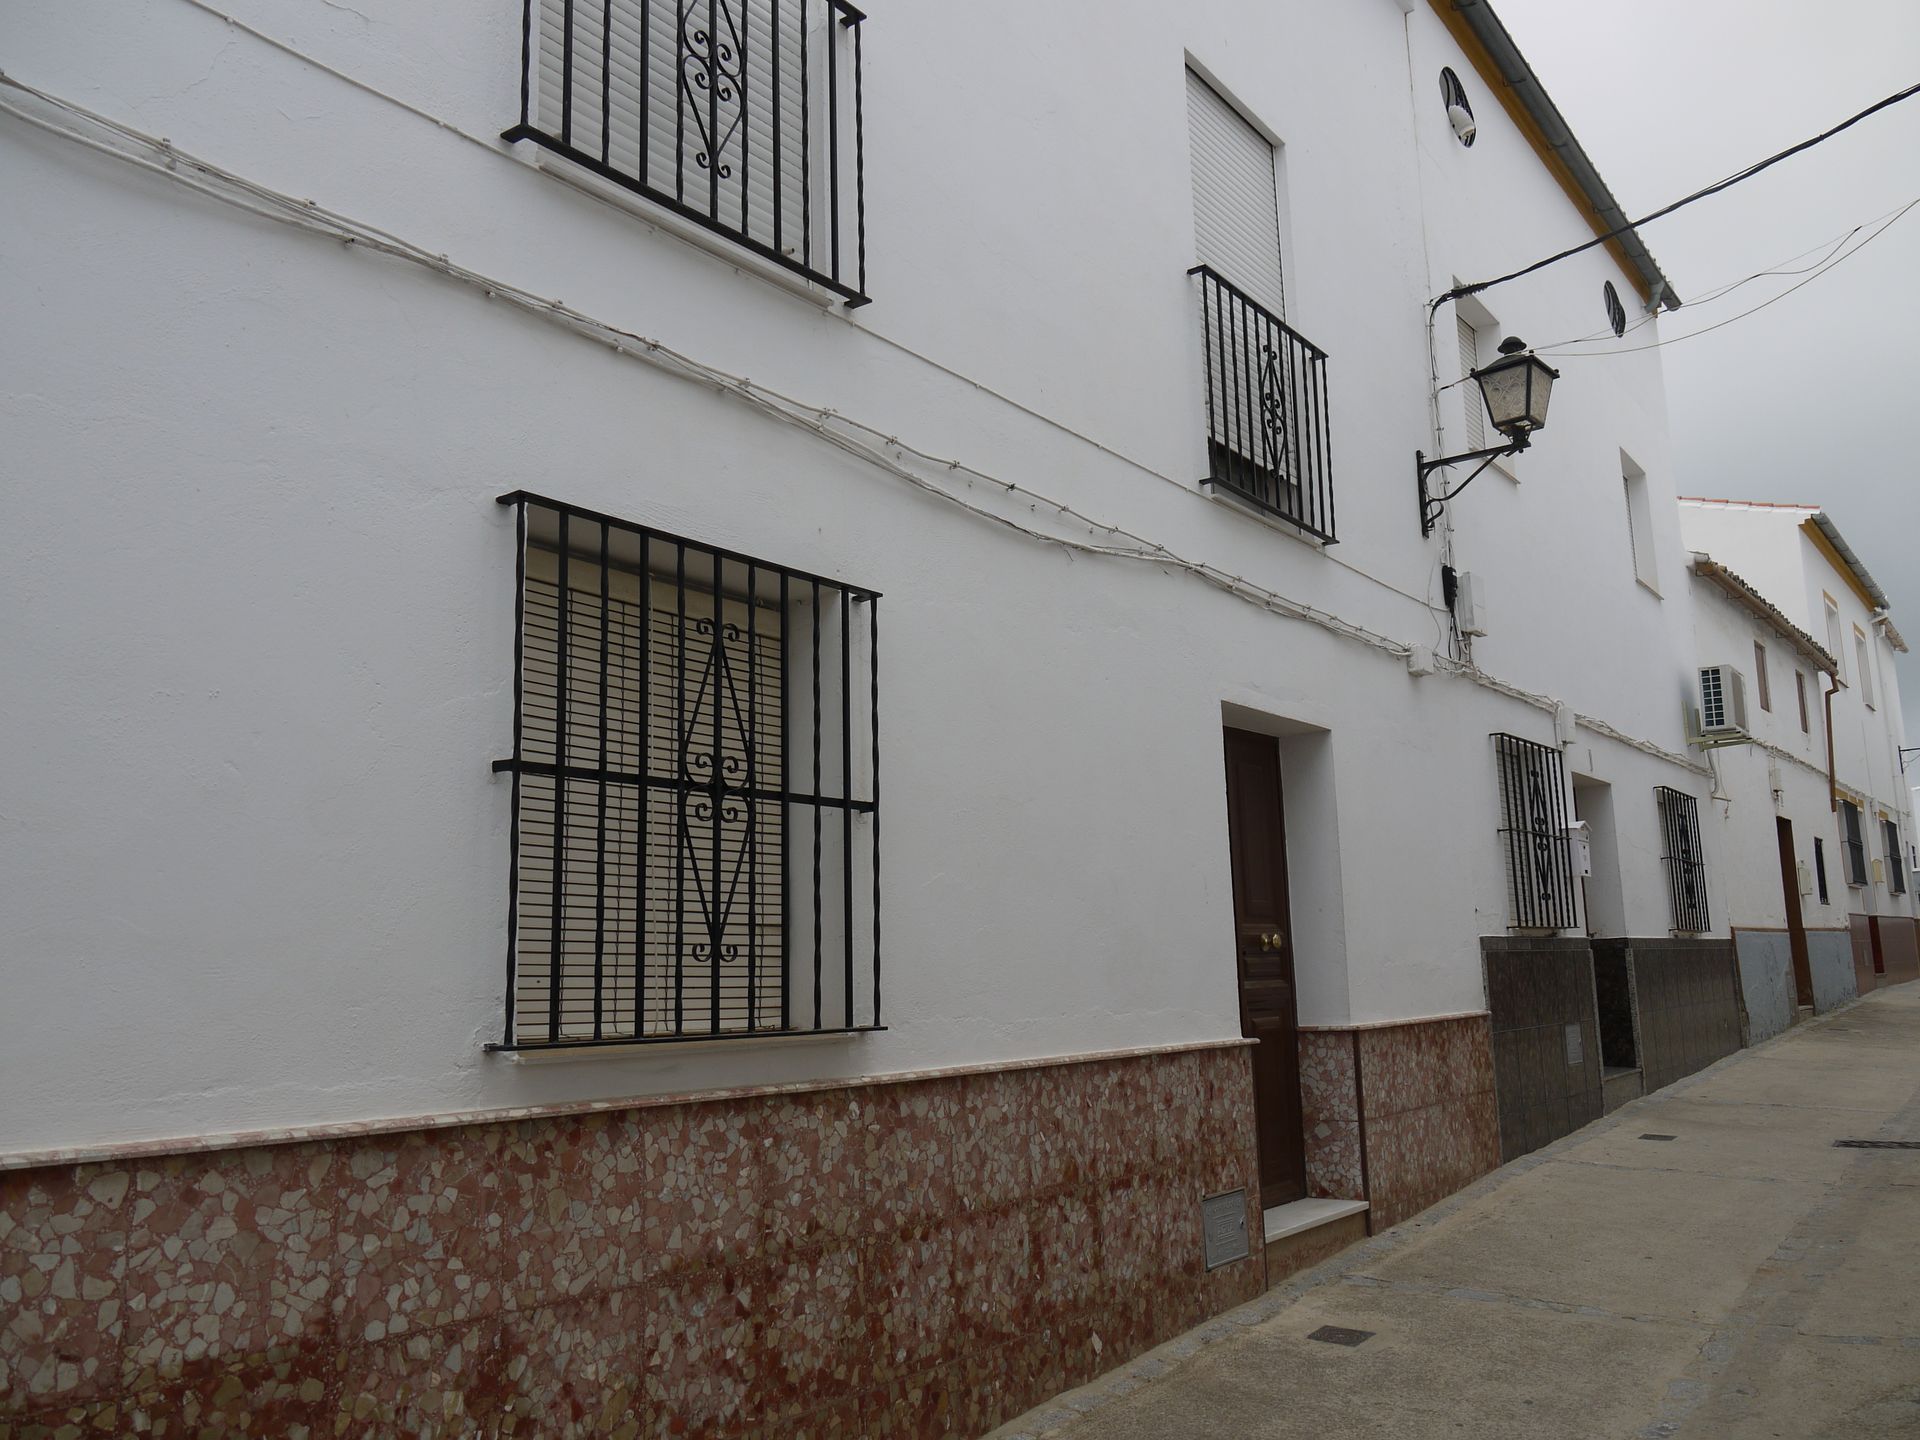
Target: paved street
<point>1743,1279</point>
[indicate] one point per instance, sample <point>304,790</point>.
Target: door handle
<point>1273,942</point>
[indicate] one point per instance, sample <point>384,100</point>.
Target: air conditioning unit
<point>1723,702</point>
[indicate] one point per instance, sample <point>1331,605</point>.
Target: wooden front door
<point>1796,925</point>
<point>1264,945</point>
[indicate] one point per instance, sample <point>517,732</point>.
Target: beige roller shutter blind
<point>658,853</point>
<point>635,57</point>
<point>1236,199</point>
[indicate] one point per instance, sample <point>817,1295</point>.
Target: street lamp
<point>1515,389</point>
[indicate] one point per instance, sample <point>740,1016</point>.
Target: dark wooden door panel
<point>1264,945</point>
<point>1796,924</point>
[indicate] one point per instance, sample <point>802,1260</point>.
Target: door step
<point>1618,1085</point>
<point>1301,1235</point>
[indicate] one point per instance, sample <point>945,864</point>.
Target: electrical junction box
<point>1580,845</point>
<point>1806,878</point>
<point>1470,604</point>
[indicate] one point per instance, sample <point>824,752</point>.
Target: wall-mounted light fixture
<point>1515,389</point>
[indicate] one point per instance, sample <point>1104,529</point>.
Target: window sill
<point>1649,587</point>
<point>666,1046</point>
<point>1231,499</point>
<point>710,243</point>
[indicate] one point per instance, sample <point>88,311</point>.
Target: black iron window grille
<point>741,116</point>
<point>1853,842</point>
<point>1268,431</point>
<point>695,849</point>
<point>1533,809</point>
<point>1820,868</point>
<point>1896,872</point>
<point>1681,855</point>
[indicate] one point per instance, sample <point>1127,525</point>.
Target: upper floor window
<point>1896,871</point>
<point>1854,842</point>
<point>741,116</point>
<point>1533,827</point>
<point>1266,384</point>
<point>1640,546</point>
<point>1760,675</point>
<point>1834,639</point>
<point>1681,855</point>
<point>1863,659</point>
<point>695,843</point>
<point>1800,692</point>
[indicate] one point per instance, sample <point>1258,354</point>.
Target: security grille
<point>1268,434</point>
<point>1896,871</point>
<point>742,116</point>
<point>1533,807</point>
<point>1853,842</point>
<point>692,731</point>
<point>1681,857</point>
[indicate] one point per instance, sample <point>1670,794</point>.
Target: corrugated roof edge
<point>1605,212</point>
<point>1743,592</point>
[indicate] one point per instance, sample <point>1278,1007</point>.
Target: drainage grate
<point>1340,1335</point>
<point>1877,1144</point>
<point>1659,1137</point>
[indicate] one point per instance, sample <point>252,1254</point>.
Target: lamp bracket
<point>1431,504</point>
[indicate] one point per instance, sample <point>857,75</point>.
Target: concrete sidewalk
<point>1744,1278</point>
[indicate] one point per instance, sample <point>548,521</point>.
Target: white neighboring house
<point>1784,599</point>
<point>929,417</point>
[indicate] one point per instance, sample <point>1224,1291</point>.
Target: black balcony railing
<point>1681,855</point>
<point>1533,825</point>
<point>1268,432</point>
<point>695,850</point>
<point>742,116</point>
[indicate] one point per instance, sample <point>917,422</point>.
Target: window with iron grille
<point>1896,872</point>
<point>1266,384</point>
<point>1533,808</point>
<point>695,849</point>
<point>1680,855</point>
<point>741,116</point>
<point>1820,867</point>
<point>1854,843</point>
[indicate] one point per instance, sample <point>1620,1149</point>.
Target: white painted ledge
<point>1283,1221</point>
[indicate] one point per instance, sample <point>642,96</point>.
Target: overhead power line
<point>1820,270</point>
<point>1459,291</point>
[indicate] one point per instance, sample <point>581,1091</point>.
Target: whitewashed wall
<point>260,597</point>
<point>1866,738</point>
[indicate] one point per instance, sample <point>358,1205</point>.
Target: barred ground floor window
<point>695,846</point>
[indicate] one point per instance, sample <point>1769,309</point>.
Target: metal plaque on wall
<point>1224,1218</point>
<point>1575,1053</point>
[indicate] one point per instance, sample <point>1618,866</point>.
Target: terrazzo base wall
<point>924,1257</point>
<point>1400,1115</point>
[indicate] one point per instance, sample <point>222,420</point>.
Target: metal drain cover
<point>1876,1144</point>
<point>1659,1137</point>
<point>1340,1335</point>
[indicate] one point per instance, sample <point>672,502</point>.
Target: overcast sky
<point>1817,398</point>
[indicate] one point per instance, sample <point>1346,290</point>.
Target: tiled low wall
<point>925,1257</point>
<point>1689,998</point>
<point>1546,1044</point>
<point>1899,949</point>
<point>1830,956</point>
<point>1400,1115</point>
<point>1765,958</point>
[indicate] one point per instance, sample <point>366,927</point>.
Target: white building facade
<point>936,448</point>
<point>1822,908</point>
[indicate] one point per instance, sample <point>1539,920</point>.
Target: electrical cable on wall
<point>872,445</point>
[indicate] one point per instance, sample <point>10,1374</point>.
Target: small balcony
<point>743,117</point>
<point>1267,425</point>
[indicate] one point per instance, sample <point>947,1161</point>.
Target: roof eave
<point>1553,138</point>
